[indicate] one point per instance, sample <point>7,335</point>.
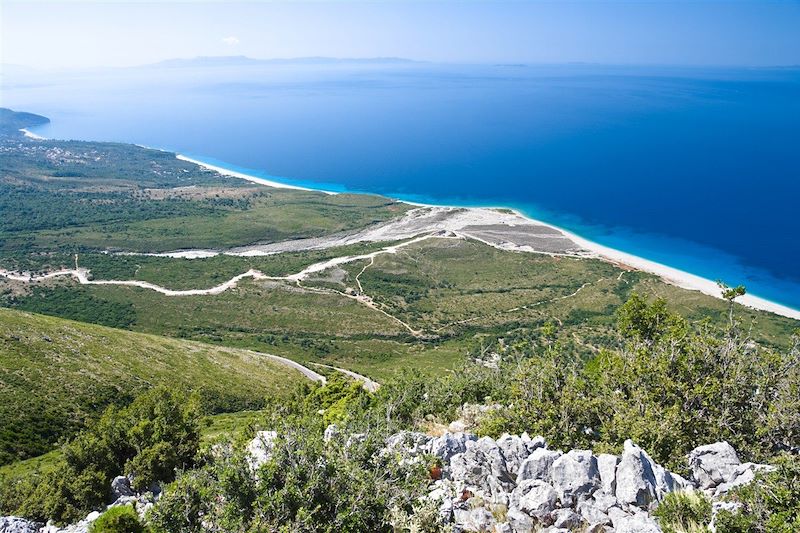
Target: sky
<point>72,34</point>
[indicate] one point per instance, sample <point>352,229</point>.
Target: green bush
<point>672,386</point>
<point>149,440</point>
<point>771,504</point>
<point>120,519</point>
<point>684,512</point>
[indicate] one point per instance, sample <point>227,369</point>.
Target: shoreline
<point>671,275</point>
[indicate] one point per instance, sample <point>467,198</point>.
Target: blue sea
<point>696,168</point>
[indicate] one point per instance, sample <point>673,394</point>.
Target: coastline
<point>253,179</point>
<point>669,274</point>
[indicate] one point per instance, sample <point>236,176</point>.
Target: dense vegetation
<point>157,434</point>
<point>673,382</point>
<point>56,375</point>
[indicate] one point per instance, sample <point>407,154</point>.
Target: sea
<point>695,168</point>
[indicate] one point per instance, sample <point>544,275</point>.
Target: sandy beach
<point>501,227</point>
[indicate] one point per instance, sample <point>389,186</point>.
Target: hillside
<point>56,374</point>
<point>12,121</point>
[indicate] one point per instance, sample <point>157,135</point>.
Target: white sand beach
<point>500,227</point>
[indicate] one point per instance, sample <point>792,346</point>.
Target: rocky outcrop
<point>15,524</point>
<point>516,484</point>
<point>716,468</point>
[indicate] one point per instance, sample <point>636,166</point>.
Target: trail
<point>307,372</point>
<point>368,384</point>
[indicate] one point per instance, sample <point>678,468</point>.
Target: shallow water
<point>698,169</point>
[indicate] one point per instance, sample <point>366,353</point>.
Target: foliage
<point>771,504</point>
<point>307,484</point>
<point>119,519</point>
<point>149,440</point>
<point>56,376</point>
<point>684,512</point>
<point>673,385</point>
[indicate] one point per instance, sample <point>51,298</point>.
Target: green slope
<point>55,375</point>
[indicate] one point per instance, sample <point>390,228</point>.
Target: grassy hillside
<point>55,375</point>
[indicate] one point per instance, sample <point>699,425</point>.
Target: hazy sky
<point>733,32</point>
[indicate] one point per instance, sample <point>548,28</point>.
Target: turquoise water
<point>698,169</point>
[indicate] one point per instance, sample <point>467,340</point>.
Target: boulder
<point>537,465</point>
<point>637,523</point>
<point>260,448</point>
<point>607,466</point>
<point>448,445</point>
<point>713,464</point>
<point>535,498</point>
<point>474,519</point>
<point>575,476</point>
<point>121,486</point>
<point>603,501</point>
<point>482,466</point>
<point>408,442</point>
<point>519,521</point>
<point>591,514</point>
<point>566,519</point>
<point>515,451</point>
<point>15,524</point>
<point>636,481</point>
<point>742,475</point>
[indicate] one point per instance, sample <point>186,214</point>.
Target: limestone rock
<point>482,466</point>
<point>607,466</point>
<point>575,476</point>
<point>121,486</point>
<point>636,481</point>
<point>713,464</point>
<point>536,498</point>
<point>15,524</point>
<point>260,448</point>
<point>538,465</point>
<point>448,445</point>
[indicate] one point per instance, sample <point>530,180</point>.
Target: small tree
<point>730,294</point>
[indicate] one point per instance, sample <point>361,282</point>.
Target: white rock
<point>15,524</point>
<point>519,521</point>
<point>636,482</point>
<point>260,448</point>
<point>566,518</point>
<point>515,451</point>
<point>592,514</point>
<point>713,464</point>
<point>121,486</point>
<point>575,476</point>
<point>742,475</point>
<point>538,465</point>
<point>607,465</point>
<point>535,498</point>
<point>638,523</point>
<point>448,445</point>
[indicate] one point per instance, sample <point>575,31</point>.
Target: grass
<point>56,375</point>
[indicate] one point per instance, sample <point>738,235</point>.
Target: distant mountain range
<point>217,61</point>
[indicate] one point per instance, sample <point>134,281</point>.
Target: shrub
<point>119,519</point>
<point>771,504</point>
<point>150,439</point>
<point>684,512</point>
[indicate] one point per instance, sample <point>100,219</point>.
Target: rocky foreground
<point>512,484</point>
<point>518,484</point>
